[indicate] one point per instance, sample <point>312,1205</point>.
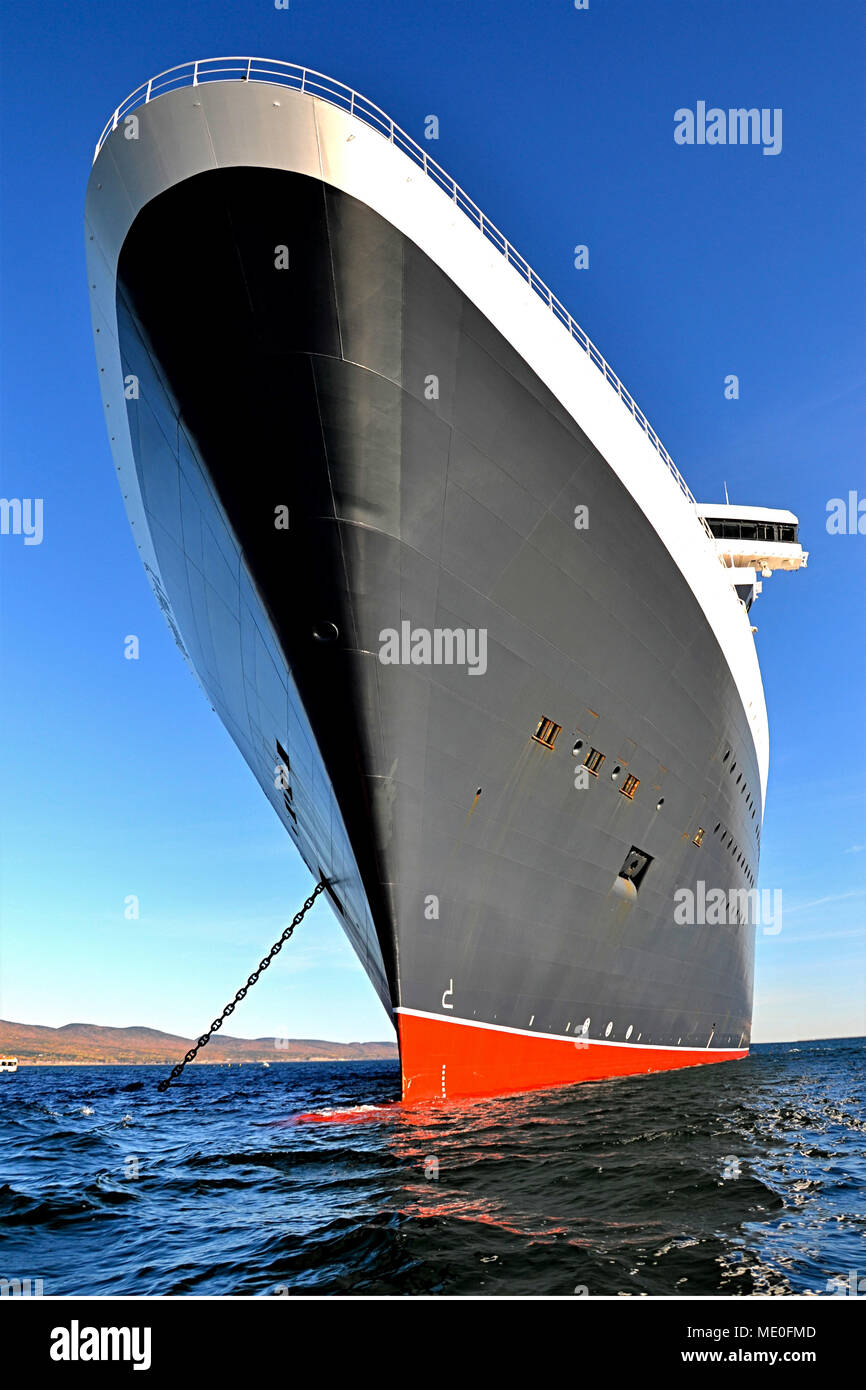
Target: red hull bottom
<point>444,1058</point>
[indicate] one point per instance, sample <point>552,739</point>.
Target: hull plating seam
<point>575,1038</point>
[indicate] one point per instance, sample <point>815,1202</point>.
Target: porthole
<point>660,803</point>
<point>577,747</point>
<point>628,1032</point>
<point>325,632</point>
<point>616,772</point>
<point>607,1030</point>
<point>716,831</point>
<point>727,755</point>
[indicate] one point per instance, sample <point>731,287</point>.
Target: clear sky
<point>704,261</point>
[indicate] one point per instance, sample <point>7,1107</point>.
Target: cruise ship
<point>489,660</point>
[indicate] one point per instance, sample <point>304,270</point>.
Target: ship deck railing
<point>318,84</point>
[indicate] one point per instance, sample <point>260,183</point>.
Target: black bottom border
<point>283,1334</point>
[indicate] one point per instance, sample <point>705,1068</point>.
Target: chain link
<point>241,994</point>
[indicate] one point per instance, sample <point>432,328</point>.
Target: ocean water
<point>740,1178</point>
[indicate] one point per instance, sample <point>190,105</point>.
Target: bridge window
<point>752,530</point>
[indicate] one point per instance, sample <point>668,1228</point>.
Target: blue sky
<point>118,778</point>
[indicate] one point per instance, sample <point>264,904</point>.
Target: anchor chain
<point>241,994</point>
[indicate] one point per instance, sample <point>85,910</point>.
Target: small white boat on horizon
<point>9,1064</point>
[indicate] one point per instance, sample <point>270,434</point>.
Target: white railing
<point>317,84</point>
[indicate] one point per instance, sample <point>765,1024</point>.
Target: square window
<point>546,732</point>
<point>593,761</point>
<point>630,786</point>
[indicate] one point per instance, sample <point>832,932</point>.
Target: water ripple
<point>736,1179</point>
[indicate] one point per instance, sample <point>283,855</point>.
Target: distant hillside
<point>89,1043</point>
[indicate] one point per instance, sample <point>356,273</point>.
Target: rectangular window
<point>699,838</point>
<point>546,732</point>
<point>630,786</point>
<point>593,761</point>
<point>281,772</point>
<point>282,756</point>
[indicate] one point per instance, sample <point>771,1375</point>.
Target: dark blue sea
<point>741,1178</point>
